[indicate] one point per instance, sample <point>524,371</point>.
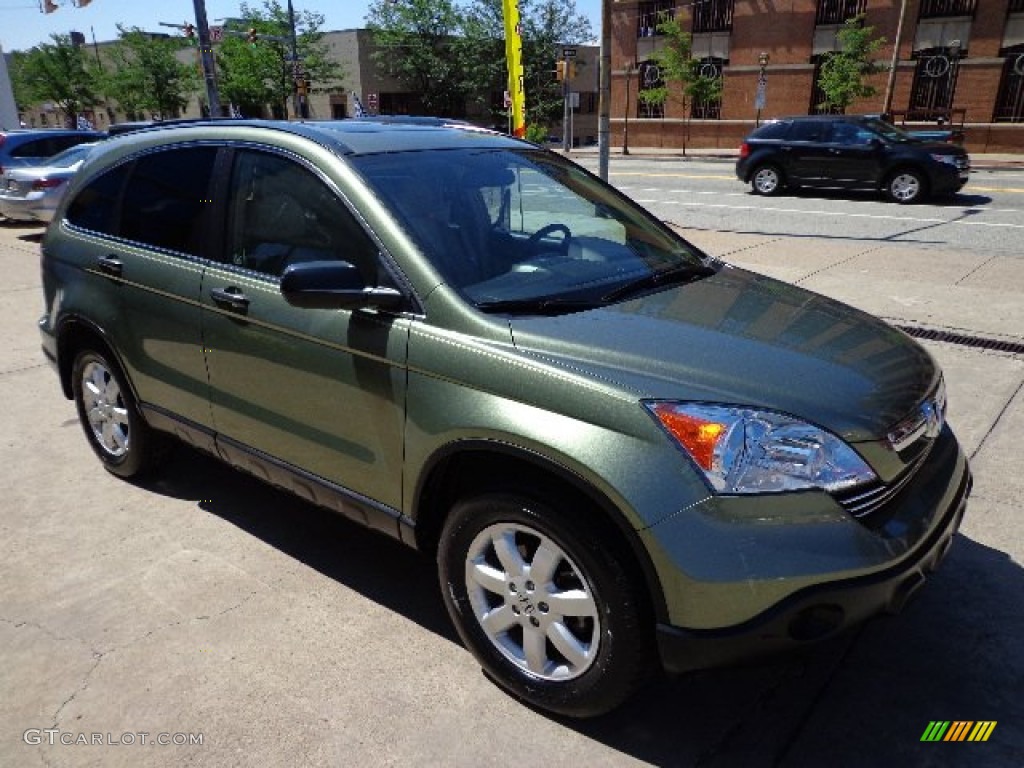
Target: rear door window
<point>772,131</point>
<point>811,130</point>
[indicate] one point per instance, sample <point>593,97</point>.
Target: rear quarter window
<point>771,131</point>
<point>95,206</point>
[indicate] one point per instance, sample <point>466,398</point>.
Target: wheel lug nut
<point>534,622</point>
<point>542,607</point>
<point>515,609</point>
<point>529,586</point>
<point>512,588</point>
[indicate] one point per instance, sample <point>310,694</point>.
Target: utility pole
<point>890,83</point>
<point>206,57</point>
<point>604,87</point>
<point>298,100</point>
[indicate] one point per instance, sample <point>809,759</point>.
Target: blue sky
<point>22,25</point>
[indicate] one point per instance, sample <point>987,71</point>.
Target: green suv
<point>625,455</point>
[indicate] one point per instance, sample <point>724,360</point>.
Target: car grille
<point>963,163</point>
<point>912,439</point>
<point>864,500</point>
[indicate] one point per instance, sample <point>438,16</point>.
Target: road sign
<point>507,100</point>
<point>761,97</point>
<point>371,100</point>
<point>216,34</point>
<point>568,53</point>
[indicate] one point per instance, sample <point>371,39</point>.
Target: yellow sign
<point>514,55</point>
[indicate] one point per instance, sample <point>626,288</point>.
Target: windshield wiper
<point>537,306</point>
<point>678,275</point>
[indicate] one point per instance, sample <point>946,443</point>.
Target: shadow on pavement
<point>377,567</point>
<point>861,699</point>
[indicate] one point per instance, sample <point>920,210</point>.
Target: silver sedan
<point>32,192</point>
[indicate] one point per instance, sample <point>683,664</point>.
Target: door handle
<point>231,297</point>
<point>111,265</point>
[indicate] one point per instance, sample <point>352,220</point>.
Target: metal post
<point>762,87</point>
<point>206,57</point>
<point>566,136</point>
<point>625,119</point>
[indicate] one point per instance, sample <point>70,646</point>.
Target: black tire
<point>605,630</point>
<point>767,180</point>
<point>906,186</point>
<point>110,416</point>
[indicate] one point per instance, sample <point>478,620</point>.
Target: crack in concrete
<point>989,260</point>
<point>98,657</point>
<point>13,371</point>
<point>1002,412</point>
<point>847,260</point>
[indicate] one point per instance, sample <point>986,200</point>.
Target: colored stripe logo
<point>958,730</point>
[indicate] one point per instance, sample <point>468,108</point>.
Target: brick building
<point>959,59</point>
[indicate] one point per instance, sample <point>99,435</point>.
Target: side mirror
<point>333,285</point>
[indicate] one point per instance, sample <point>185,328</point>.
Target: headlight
<point>742,450</point>
<point>947,159</point>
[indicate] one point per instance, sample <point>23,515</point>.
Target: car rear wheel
<point>905,186</point>
<point>110,417</point>
<point>766,180</point>
<point>551,614</point>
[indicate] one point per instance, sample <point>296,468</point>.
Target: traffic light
<point>189,30</point>
<point>253,36</point>
<point>49,6</point>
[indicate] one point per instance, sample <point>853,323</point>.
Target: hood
<point>745,339</point>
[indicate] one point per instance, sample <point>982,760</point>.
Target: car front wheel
<point>766,180</point>
<point>108,414</point>
<point>905,186</point>
<point>551,614</point>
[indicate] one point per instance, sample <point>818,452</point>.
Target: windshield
<point>506,226</point>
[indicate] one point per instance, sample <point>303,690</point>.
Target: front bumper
<point>800,600</point>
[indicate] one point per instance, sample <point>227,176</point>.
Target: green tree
<point>681,79</point>
<point>255,75</point>
<point>145,74</point>
<point>59,72</point>
<point>414,40</point>
<point>547,26</point>
<point>843,72</point>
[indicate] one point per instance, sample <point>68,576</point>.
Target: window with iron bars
<point>838,11</point>
<point>934,82</point>
<point>710,109</point>
<point>1016,6</point>
<point>1010,99</point>
<point>712,15</point>
<point>934,9</point>
<point>651,14</point>
<point>649,76</point>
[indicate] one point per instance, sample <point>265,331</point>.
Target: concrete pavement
<point>204,604</point>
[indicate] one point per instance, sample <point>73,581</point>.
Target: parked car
<point>32,192</point>
<point>623,454</point>
<point>852,152</point>
<point>30,146</point>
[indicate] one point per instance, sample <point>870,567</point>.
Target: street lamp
<point>625,124</point>
<point>760,99</point>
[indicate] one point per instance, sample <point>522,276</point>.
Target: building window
<point>651,14</point>
<point>399,104</point>
<point>931,95</point>
<point>1016,6</point>
<point>817,94</point>
<point>933,9</point>
<point>709,109</point>
<point>649,77</point>
<point>838,11</point>
<point>1010,101</point>
<point>712,15</point>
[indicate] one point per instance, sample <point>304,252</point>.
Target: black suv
<point>851,152</point>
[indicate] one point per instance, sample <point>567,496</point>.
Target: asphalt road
<point>986,217</point>
<point>203,603</point>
